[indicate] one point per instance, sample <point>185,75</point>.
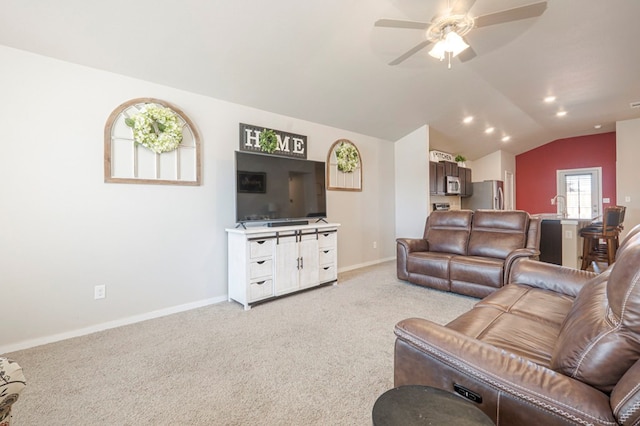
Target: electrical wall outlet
<point>606,200</point>
<point>553,201</point>
<point>99,291</point>
<point>375,244</point>
<point>627,199</point>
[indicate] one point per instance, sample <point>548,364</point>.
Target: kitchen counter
<point>560,242</point>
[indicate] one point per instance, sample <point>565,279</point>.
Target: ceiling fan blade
<point>467,54</point>
<point>515,14</point>
<point>410,53</point>
<point>393,23</point>
<point>462,7</point>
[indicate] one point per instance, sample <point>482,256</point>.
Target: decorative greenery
<point>156,127</point>
<point>460,159</point>
<point>348,159</point>
<point>268,141</point>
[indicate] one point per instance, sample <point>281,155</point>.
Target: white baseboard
<point>26,344</point>
<point>363,265</point>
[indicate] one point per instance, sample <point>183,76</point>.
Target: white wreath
<point>157,128</point>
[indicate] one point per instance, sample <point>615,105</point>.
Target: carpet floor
<point>320,357</point>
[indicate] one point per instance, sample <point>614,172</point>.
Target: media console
<point>265,263</point>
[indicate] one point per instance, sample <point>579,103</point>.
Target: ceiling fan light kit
<point>447,32</point>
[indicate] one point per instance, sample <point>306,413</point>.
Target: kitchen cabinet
<point>450,168</point>
<point>466,188</point>
<point>436,178</point>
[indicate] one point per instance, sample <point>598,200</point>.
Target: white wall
<point>627,155</point>
<point>412,183</point>
<point>158,248</point>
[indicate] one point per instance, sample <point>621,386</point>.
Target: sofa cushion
<point>427,263</point>
<point>448,231</point>
<point>600,337</point>
<point>519,319</point>
<point>486,271</point>
<point>496,233</point>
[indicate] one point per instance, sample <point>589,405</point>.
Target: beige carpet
<point>321,357</point>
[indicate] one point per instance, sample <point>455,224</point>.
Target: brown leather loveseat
<point>556,346</point>
<point>468,252</point>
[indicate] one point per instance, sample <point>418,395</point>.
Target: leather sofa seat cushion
<point>478,270</point>
<point>448,232</point>
<point>534,303</point>
<point>497,233</point>
<point>519,319</point>
<point>600,338</point>
<point>428,263</point>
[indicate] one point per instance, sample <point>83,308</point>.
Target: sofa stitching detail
<point>513,389</point>
<point>588,349</point>
<point>627,414</point>
<point>626,398</point>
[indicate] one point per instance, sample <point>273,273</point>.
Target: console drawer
<point>327,239</point>
<point>327,257</point>
<point>260,290</point>
<point>260,268</point>
<point>328,273</point>
<point>260,248</point>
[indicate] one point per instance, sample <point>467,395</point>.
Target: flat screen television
<point>278,189</point>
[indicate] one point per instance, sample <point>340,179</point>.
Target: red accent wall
<point>536,169</point>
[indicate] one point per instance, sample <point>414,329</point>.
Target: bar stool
<point>601,240</point>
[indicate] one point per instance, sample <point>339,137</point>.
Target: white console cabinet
<point>267,262</point>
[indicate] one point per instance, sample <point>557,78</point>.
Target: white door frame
<point>596,171</point>
<point>509,190</point>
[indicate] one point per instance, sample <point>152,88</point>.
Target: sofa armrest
<point>511,386</point>
<point>413,244</point>
<point>405,246</point>
<point>523,253</point>
<point>548,276</point>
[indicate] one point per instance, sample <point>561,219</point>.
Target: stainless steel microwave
<point>453,185</point>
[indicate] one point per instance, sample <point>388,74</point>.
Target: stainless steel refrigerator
<point>486,195</point>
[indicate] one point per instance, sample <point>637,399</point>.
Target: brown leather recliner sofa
<point>468,252</point>
<point>555,346</point>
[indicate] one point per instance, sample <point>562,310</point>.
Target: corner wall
<point>412,183</point>
<point>628,153</point>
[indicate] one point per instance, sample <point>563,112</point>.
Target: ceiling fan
<point>446,32</point>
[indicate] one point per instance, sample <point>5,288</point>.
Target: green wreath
<point>268,141</point>
<point>156,127</point>
<point>348,159</point>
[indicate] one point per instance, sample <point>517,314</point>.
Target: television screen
<point>270,188</point>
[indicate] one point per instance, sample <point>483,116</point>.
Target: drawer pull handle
<point>261,242</point>
<point>261,282</point>
<point>325,251</point>
<point>326,268</point>
<point>261,262</point>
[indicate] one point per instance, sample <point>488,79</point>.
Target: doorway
<point>582,189</point>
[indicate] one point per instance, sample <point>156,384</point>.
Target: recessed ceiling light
<point>489,130</point>
<point>506,138</point>
<point>598,126</point>
<point>468,119</point>
<point>561,113</point>
<point>550,99</point>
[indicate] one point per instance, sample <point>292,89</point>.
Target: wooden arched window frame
<point>340,180</point>
<point>127,162</point>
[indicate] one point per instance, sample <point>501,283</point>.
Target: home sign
<point>289,144</point>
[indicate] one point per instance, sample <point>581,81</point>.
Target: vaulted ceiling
<point>325,61</point>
